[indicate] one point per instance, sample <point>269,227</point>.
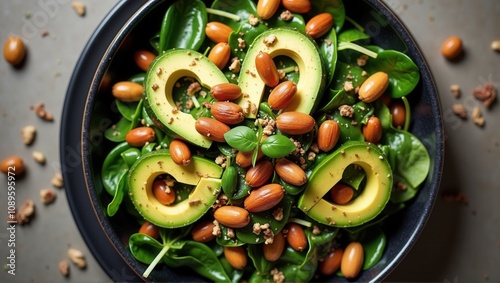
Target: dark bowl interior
<point>88,112</point>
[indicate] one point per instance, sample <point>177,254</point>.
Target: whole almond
<point>143,59</point>
<point>341,193</point>
<point>232,216</point>
<point>13,164</point>
<point>148,228</point>
<point>220,54</point>
<point>296,237</point>
<point>295,123</point>
<point>227,112</point>
<point>180,152</point>
<point>259,174</point>
<point>372,131</point>
<point>140,136</point>
<point>328,135</point>
<point>290,172</point>
<point>297,6</point>
<point>127,91</point>
<point>331,263</point>
<point>218,32</point>
<point>14,50</point>
<point>319,25</point>
<point>236,256</point>
<point>244,159</point>
<point>266,68</point>
<point>202,232</point>
<point>281,96</point>
<point>267,8</point>
<point>163,193</point>
<point>264,198</point>
<point>211,128</point>
<point>273,251</point>
<point>352,260</point>
<point>225,91</point>
<point>374,87</point>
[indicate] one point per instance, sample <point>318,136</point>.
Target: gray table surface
<point>461,242</point>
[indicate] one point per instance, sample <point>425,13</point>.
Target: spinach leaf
<point>300,273</point>
<point>240,8</point>
<point>260,263</point>
<point>127,110</point>
<point>374,242</point>
<point>247,33</point>
<point>114,167</point>
<point>352,35</point>
<point>328,51</point>
<point>118,131</point>
<point>347,72</point>
<point>296,22</point>
<point>333,99</point>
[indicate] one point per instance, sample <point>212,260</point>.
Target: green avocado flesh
<point>295,45</point>
<point>201,173</point>
<point>367,205</point>
<point>162,76</point>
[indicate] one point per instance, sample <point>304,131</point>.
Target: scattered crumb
<point>455,90</point>
<point>79,8</point>
<point>455,196</point>
<point>361,61</point>
<point>253,20</point>
<point>270,40</point>
<point>286,15</point>
<point>41,112</point>
<point>64,268</point>
<point>28,134</point>
<point>477,117</point>
<point>495,45</point>
<point>348,86</point>
<point>486,93</point>
<point>26,212</point>
<point>44,33</point>
<point>48,196</point>
<point>346,111</point>
<point>77,257</point>
<point>39,157</point>
<point>459,110</point>
<point>57,180</point>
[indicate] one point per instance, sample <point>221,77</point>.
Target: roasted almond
<point>319,25</point>
<point>13,164</point>
<point>281,96</point>
<point>227,112</point>
<point>267,8</point>
<point>331,262</point>
<point>163,193</point>
<point>143,59</point>
<point>202,231</point>
<point>296,237</point>
<point>140,136</point>
<point>220,54</point>
<point>259,174</point>
<point>127,91</point>
<point>398,113</point>
<point>148,228</point>
<point>14,50</point>
<point>290,172</point>
<point>374,87</point>
<point>352,260</point>
<point>236,256</point>
<point>341,193</point>
<point>297,6</point>
<point>244,159</point>
<point>232,216</point>
<point>266,68</point>
<point>372,131</point>
<point>295,123</point>
<point>180,152</point>
<point>218,32</point>
<point>273,251</point>
<point>328,135</point>
<point>226,91</point>
<point>264,198</point>
<point>211,128</point>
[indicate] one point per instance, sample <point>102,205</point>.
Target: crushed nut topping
<point>348,86</point>
<point>361,61</point>
<point>235,65</point>
<point>346,111</point>
<point>286,15</point>
<point>270,40</point>
<point>253,20</point>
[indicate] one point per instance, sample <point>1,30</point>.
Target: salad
<point>263,141</point>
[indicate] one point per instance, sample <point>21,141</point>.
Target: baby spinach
<point>113,167</point>
<point>241,8</point>
<point>262,265</point>
<point>118,131</point>
<point>336,98</point>
<point>127,110</point>
<point>352,35</point>
<point>328,51</point>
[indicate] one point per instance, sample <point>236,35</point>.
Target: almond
<point>331,263</point>
<point>266,68</point>
<point>328,135</point>
<point>273,251</point>
<point>225,91</point>
<point>297,6</point>
<point>267,8</point>
<point>319,25</point>
<point>236,256</point>
<point>398,113</point>
<point>374,87</point>
<point>143,59</point>
<point>163,193</point>
<point>148,228</point>
<point>281,96</point>
<point>372,131</point>
<point>180,152</point>
<point>290,172</point>
<point>211,128</point>
<point>232,216</point>
<point>244,159</point>
<point>228,113</point>
<point>202,232</point>
<point>14,50</point>
<point>260,173</point>
<point>12,164</point>
<point>140,136</point>
<point>220,54</point>
<point>218,32</point>
<point>352,260</point>
<point>341,193</point>
<point>264,198</point>
<point>296,237</point>
<point>127,91</point>
<point>295,123</point>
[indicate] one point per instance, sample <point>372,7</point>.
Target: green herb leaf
<point>241,138</point>
<point>277,146</point>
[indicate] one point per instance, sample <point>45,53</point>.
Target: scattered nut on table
<point>459,110</point>
<point>26,212</point>
<point>28,134</point>
<point>39,157</point>
<point>77,257</point>
<point>79,8</point>
<point>477,117</point>
<point>47,196</point>
<point>57,180</point>
<point>64,268</point>
<point>455,90</point>
<point>495,45</point>
<point>41,112</point>
<point>486,93</point>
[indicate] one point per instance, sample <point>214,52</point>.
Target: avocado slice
<point>295,45</point>
<point>367,205</point>
<point>162,75</point>
<point>202,173</point>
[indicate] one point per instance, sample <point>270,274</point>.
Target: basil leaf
<point>241,138</point>
<point>277,146</point>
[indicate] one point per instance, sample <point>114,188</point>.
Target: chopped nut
<point>361,61</point>
<point>39,157</point>
<point>477,117</point>
<point>253,20</point>
<point>278,276</point>
<point>270,40</point>
<point>41,112</point>
<point>26,213</point>
<point>77,258</point>
<point>286,15</point>
<point>79,8</point>
<point>28,134</point>
<point>495,45</point>
<point>455,90</point>
<point>193,88</point>
<point>348,86</point>
<point>63,268</point>
<point>346,111</point>
<point>48,196</point>
<point>487,94</point>
<point>235,65</point>
<point>459,110</point>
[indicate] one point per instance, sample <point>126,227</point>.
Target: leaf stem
<point>359,48</point>
<point>155,261</point>
<point>223,14</point>
<point>289,69</point>
<point>408,113</point>
<point>355,24</point>
<point>195,102</point>
<point>300,221</point>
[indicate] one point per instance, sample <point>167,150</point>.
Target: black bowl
<point>88,112</point>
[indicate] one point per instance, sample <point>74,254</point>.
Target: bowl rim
<point>117,261</point>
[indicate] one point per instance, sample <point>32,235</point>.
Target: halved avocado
<point>202,173</point>
<point>162,75</point>
<point>367,205</point>
<point>300,48</point>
